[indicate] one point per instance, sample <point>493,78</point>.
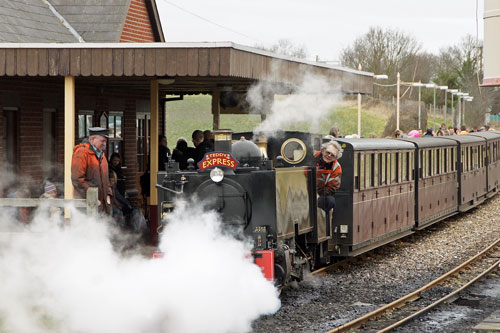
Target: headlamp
<point>217,175</point>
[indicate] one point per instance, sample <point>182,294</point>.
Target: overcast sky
<point>324,27</point>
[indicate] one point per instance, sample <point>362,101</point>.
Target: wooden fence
<point>90,203</point>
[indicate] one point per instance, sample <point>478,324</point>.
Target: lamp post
<point>445,88</point>
<point>460,95</point>
<point>453,92</point>
<point>376,77</point>
<point>419,85</point>
<point>434,86</point>
<point>466,98</point>
<point>398,82</point>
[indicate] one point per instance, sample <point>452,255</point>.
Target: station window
<point>85,120</point>
<point>48,139</point>
<point>143,125</point>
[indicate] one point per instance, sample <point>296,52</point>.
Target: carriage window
<point>474,158</point>
<point>428,168</point>
<point>399,170</point>
<point>411,166</point>
<point>383,172</point>
<point>362,171</point>
<point>439,161</point>
<point>356,171</point>
<point>404,167</point>
<point>435,162</point>
<point>421,165</point>
<point>394,168</point>
<point>482,153</point>
<point>470,159</point>
<point>369,170</point>
<point>387,168</point>
<point>444,153</point>
<point>464,159</point>
<point>376,169</point>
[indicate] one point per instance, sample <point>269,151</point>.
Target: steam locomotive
<point>266,186</point>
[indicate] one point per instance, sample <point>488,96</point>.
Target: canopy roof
<point>183,68</point>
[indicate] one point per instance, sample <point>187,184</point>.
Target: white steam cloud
<point>56,277</point>
<point>310,103</point>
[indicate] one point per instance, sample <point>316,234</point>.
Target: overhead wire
<point>212,22</point>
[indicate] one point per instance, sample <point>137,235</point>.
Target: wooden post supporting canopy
<point>153,161</point>
<point>216,108</point>
<point>69,136</point>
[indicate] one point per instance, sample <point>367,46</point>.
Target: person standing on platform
<point>201,146</point>
<point>89,168</point>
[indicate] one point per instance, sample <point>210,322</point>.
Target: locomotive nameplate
<point>218,159</point>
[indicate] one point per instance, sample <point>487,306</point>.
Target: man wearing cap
<point>89,168</point>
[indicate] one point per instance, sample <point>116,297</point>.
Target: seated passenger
<point>328,174</point>
<point>180,153</point>
<point>115,164</point>
<point>209,137</point>
<point>121,207</point>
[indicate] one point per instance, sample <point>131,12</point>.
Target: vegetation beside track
<point>194,112</point>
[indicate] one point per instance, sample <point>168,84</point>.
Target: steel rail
<point>436,303</point>
<point>412,296</point>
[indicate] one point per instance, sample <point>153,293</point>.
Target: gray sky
<point>324,27</point>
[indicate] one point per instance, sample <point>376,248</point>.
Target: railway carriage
<point>436,179</point>
<point>375,200</point>
<point>492,160</point>
<point>389,189</point>
<point>471,162</point>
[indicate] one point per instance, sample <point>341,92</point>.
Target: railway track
<point>420,301</point>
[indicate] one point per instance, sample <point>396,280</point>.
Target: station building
<point>66,66</point>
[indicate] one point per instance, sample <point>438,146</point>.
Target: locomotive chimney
<point>223,139</point>
<point>262,144</point>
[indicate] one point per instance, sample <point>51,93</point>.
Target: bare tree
<point>383,52</point>
<point>460,67</point>
<point>286,47</point>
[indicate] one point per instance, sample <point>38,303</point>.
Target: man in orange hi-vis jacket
<point>328,174</point>
<point>89,168</point>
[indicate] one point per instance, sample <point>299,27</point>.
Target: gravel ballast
<point>324,301</point>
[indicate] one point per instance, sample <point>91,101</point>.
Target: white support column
<point>69,136</point>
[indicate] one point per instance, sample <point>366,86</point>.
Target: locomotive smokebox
<point>223,140</point>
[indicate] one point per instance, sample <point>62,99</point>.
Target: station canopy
<point>180,68</point>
